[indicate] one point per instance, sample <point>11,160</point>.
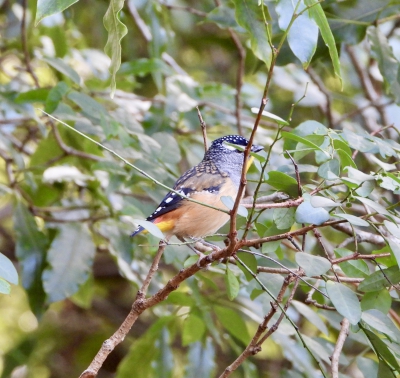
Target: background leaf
<point>46,8</point>
<point>116,31</point>
<point>312,265</point>
<point>70,257</point>
<point>345,301</point>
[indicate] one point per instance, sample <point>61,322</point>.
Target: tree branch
<point>344,332</point>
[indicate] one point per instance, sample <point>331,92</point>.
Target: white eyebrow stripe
<point>230,147</point>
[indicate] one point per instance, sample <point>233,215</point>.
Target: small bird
<point>217,175</point>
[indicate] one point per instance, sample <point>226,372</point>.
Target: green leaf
<point>319,201</point>
<point>201,358</point>
<point>393,228</point>
<point>330,170</point>
<point>317,13</point>
<point>181,299</point>
<point>7,270</point>
<point>303,33</point>
<point>151,227</point>
<point>55,96</point>
<point>379,300</point>
<point>271,247</point>
<point>143,351</point>
<point>311,316</point>
<point>377,280</point>
<point>284,218</point>
<point>31,247</point>
<point>381,349</point>
<point>318,350</point>
<point>249,16</point>
<point>269,115</point>
<point>64,68</point>
<point>142,67</point>
<point>374,205</point>
<point>232,284</point>
<point>388,65</point>
<point>355,221</point>
<point>352,268</point>
<point>193,329</point>
<point>340,144</point>
<point>34,95</point>
<point>382,323</point>
<point>306,213</point>
<point>283,182</point>
<point>395,249</point>
<point>358,176</point>
<point>170,152</point>
<point>233,323</point>
<point>223,16</point>
<point>230,203</point>
<point>84,296</point>
<point>302,140</point>
<point>345,159</point>
<point>365,189</point>
<point>46,8</point>
<point>70,258</point>
<point>312,265</point>
<point>5,287</point>
<point>388,181</point>
<point>250,261</point>
<point>385,371</point>
<point>345,301</point>
<point>88,105</point>
<point>368,367</point>
<point>360,141</point>
<point>116,31</point>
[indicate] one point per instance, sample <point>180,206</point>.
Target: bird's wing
<point>203,177</point>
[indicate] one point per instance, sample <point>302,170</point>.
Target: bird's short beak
<point>256,148</point>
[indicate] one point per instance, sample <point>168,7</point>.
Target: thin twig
<point>344,332</point>
<point>265,269</point>
<point>301,231</point>
<point>310,300</point>
<point>25,45</point>
<point>366,83</point>
<point>357,256</point>
<point>362,236</point>
<point>70,150</point>
<point>276,325</point>
<point>321,86</point>
<point>184,9</point>
<point>203,129</point>
<point>280,205</point>
<point>143,28</point>
<point>254,346</point>
<point>239,78</point>
<point>318,236</point>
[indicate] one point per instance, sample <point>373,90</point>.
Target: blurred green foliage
<point>67,206</point>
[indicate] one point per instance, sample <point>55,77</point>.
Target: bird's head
<point>231,145</point>
<point>227,153</point>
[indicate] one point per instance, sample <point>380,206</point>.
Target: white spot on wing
<point>168,200</point>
